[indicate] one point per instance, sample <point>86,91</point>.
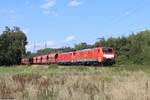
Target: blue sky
<point>60,23</point>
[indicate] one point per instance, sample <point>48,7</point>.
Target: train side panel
<point>85,56</point>
<point>65,58</point>
<point>44,59</point>
<point>52,58</point>
<point>39,60</point>
<point>34,60</point>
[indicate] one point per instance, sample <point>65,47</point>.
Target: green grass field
<point>52,82</point>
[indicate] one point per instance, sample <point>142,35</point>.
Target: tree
<point>100,43</point>
<point>81,46</point>
<point>12,46</point>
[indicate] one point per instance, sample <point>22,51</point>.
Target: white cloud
<point>75,3</point>
<point>48,4</point>
<point>47,7</point>
<point>48,12</point>
<point>69,38</point>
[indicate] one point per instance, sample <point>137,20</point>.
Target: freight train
<point>95,56</point>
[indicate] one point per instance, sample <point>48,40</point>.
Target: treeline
<point>134,49</point>
<point>12,46</point>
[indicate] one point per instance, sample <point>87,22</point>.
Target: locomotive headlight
<point>109,56</point>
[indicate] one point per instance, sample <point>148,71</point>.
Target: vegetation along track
<point>128,82</point>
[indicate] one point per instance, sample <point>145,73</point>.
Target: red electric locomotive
<point>94,56</point>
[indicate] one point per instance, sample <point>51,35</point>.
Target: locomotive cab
<point>108,55</point>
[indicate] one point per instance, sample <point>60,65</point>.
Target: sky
<point>60,23</point>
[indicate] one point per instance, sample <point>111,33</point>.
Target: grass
<point>52,82</point>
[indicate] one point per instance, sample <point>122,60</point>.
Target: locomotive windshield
<point>107,50</point>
